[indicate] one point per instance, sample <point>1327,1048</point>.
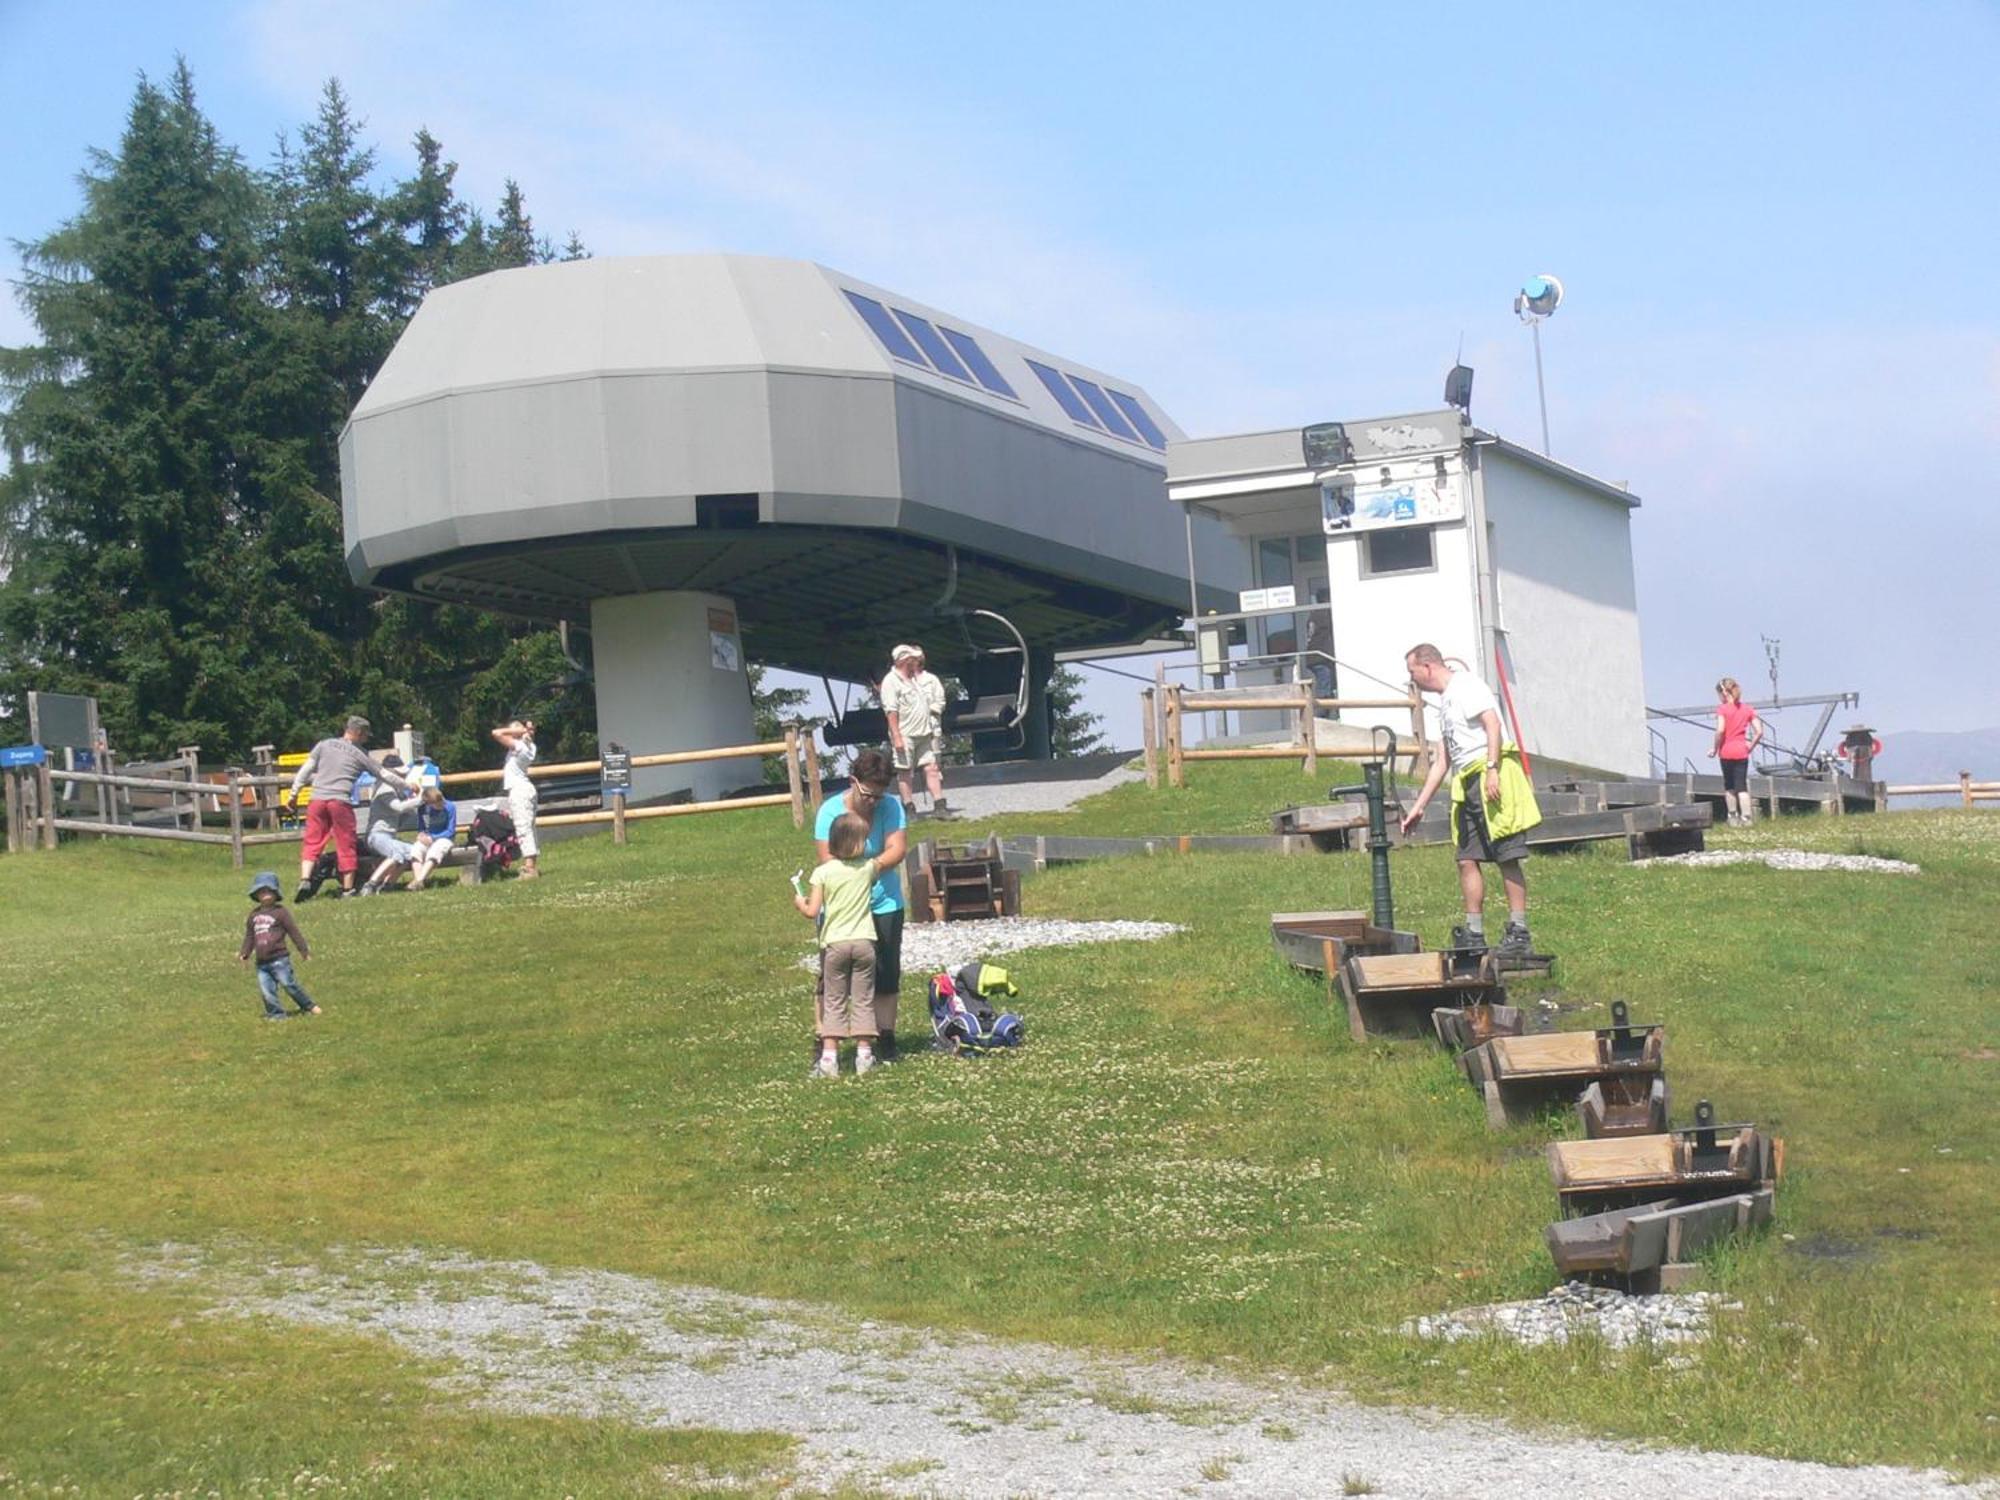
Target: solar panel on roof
<point>886,328</point>
<point>1066,398</point>
<point>927,339</point>
<point>1101,404</point>
<point>1136,414</point>
<point>983,369</point>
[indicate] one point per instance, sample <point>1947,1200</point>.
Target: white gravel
<point>1574,1310</point>
<point>910,1412</point>
<point>931,946</point>
<point>1789,859</point>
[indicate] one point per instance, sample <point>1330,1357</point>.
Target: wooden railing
<point>1965,789</point>
<point>1164,710</point>
<point>35,818</point>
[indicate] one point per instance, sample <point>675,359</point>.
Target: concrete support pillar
<point>671,676</point>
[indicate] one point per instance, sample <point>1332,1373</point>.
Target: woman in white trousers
<point>518,739</point>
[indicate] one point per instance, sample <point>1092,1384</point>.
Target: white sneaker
<point>864,1062</point>
<point>827,1067</point>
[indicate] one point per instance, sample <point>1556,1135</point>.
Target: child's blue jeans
<point>275,974</point>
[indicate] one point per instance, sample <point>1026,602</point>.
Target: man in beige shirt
<point>913,700</point>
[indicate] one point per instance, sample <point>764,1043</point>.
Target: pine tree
<point>169,540</point>
<point>432,220</point>
<point>140,479</point>
<point>1072,728</point>
<point>514,241</point>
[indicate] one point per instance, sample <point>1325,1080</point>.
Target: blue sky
<point>1777,224</point>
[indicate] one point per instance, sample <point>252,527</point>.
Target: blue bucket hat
<point>266,880</point>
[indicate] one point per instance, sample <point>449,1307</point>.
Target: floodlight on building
<point>1326,445</point>
<point>1538,298</point>
<point>1458,388</point>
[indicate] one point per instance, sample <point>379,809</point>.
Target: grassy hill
<point>606,1068</point>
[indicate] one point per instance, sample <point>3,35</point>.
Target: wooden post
<point>1148,734</point>
<point>1309,725</point>
<point>107,764</point>
<point>812,773</point>
<point>1965,788</point>
<point>232,781</point>
<point>792,776</point>
<point>618,818</point>
<point>45,794</point>
<point>1881,796</point>
<point>1176,766</point>
<point>7,780</point>
<point>267,802</point>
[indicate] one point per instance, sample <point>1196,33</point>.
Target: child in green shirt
<point>841,892</point>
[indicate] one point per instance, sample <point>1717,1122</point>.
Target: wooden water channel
<point>1637,1199</point>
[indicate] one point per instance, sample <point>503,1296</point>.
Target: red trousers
<point>327,816</point>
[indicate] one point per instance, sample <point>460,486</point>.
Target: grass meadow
<point>606,1069</point>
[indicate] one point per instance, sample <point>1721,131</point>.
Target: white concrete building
<point>1424,528</point>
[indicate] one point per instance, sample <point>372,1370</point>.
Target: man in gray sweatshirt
<point>331,767</point>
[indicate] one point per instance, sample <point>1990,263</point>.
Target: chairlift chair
<point>993,713</point>
<point>985,714</point>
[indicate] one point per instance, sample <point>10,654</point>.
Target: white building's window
<point>1401,549</point>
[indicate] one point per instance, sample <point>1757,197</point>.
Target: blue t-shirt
<point>888,819</point>
<point>438,822</point>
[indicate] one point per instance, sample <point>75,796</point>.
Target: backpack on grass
<point>963,1013</point>
<point>493,836</point>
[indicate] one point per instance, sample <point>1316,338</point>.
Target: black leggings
<point>1735,778</point>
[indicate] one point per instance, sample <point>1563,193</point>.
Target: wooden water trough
<point>1624,1063</point>
<point>1394,994</point>
<point>1461,1027</point>
<point>1690,1166</point>
<point>1648,1247</point>
<point>960,883</point>
<point>1319,942</point>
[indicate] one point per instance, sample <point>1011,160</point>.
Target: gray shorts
<point>1473,840</point>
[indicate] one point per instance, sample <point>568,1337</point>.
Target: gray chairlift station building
<point>716,459</point>
<point>721,458</point>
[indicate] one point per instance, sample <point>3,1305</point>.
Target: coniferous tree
<point>142,479</point>
<point>169,539</point>
<point>1072,728</point>
<point>432,220</point>
<point>514,241</point>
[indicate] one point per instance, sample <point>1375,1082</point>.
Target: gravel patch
<point>1021,797</point>
<point>912,1412</point>
<point>931,946</point>
<point>1574,1310</point>
<point>1789,859</point>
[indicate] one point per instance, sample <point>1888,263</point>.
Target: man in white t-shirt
<point>913,699</point>
<point>1468,718</point>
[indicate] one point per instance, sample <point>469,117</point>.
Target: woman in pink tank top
<point>1738,731</point>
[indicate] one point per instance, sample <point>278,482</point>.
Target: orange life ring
<point>1841,751</point>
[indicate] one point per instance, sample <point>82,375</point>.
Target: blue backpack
<point>963,1014</point>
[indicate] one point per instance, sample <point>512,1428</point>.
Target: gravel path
<point>931,946</point>
<point>916,1413</point>
<point>1788,859</point>
<point>1020,797</point>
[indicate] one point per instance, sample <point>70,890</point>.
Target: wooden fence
<point>35,818</point>
<point>1965,789</point>
<point>1163,717</point>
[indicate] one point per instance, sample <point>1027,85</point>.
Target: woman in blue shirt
<point>437,823</point>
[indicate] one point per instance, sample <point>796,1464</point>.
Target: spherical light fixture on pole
<point>1538,298</point>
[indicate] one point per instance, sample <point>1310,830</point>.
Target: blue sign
<point>23,755</point>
